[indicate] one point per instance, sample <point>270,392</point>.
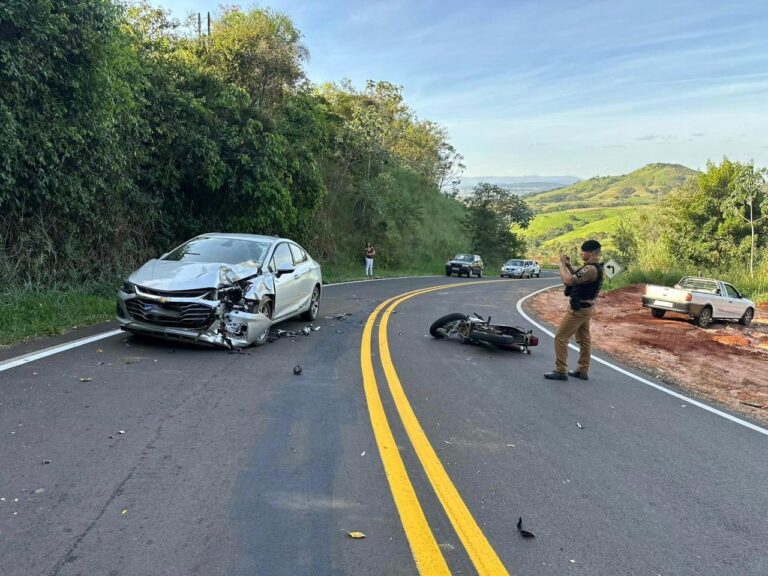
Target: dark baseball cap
<point>591,246</point>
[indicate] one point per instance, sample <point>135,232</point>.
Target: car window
<point>463,258</point>
<point>282,255</point>
<point>514,262</point>
<point>730,291</point>
<point>299,255</point>
<point>223,250</point>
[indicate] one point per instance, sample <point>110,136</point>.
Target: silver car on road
<point>221,289</point>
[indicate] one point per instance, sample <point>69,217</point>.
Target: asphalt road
<point>132,457</point>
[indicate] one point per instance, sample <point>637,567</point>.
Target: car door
<point>733,304</point>
<point>287,289</point>
<point>302,274</point>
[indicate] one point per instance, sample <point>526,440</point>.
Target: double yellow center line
<point>427,554</point>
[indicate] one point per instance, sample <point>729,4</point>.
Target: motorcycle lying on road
<point>476,330</point>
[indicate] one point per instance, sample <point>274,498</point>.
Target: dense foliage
<point>122,134</point>
<point>492,214</point>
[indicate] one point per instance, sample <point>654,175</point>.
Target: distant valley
<point>522,185</point>
<point>593,208</point>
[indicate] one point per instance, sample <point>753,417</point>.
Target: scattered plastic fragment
<point>85,379</point>
<point>572,561</point>
<point>121,431</point>
<point>524,533</point>
<point>39,491</point>
<point>362,453</point>
<point>46,461</point>
<point>356,535</point>
<point>124,511</point>
<point>753,404</point>
<point>297,369</point>
<point>580,425</point>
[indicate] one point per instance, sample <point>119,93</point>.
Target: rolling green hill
<point>593,208</point>
<point>641,187</point>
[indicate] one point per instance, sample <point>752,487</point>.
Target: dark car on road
<point>465,264</point>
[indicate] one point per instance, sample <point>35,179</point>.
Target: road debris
<point>39,491</point>
<point>362,453</point>
<point>580,425</point>
<point>753,404</point>
<point>297,369</point>
<point>124,511</point>
<point>524,533</point>
<point>46,462</point>
<point>356,535</point>
<point>85,379</point>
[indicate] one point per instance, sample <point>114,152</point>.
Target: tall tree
<point>260,50</point>
<point>748,199</point>
<point>491,212</point>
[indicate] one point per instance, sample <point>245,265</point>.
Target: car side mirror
<point>284,268</point>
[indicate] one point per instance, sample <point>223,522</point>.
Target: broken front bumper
<point>189,319</point>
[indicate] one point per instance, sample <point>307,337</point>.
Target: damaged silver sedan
<point>221,289</point>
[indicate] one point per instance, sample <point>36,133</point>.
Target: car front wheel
<point>746,319</point>
<point>265,307</point>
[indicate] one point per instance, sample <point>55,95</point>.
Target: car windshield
<point>514,262</point>
<point>464,258</point>
<point>224,250</point>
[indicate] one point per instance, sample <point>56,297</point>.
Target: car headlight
<point>128,288</point>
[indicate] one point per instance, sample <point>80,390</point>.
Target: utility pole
<point>198,26</point>
<point>209,24</point>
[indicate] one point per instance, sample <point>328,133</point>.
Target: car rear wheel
<point>705,318</point>
<point>264,307</point>
<point>447,272</point>
<point>314,306</point>
<point>746,319</point>
<point>479,273</point>
<point>658,313</point>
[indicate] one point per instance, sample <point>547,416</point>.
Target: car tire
<point>704,319</point>
<point>447,272</point>
<point>479,273</point>
<point>265,307</point>
<point>314,306</point>
<point>746,319</point>
<point>658,313</point>
<point>440,322</point>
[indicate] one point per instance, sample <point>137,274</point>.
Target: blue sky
<point>556,87</point>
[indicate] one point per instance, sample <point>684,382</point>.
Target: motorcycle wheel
<point>437,328</point>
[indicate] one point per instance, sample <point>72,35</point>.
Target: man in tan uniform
<point>582,287</point>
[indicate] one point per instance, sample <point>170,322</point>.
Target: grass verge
<point>29,313</point>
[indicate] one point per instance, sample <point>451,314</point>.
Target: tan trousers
<point>574,322</point>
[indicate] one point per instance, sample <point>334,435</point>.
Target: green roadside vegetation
<point>31,313</point>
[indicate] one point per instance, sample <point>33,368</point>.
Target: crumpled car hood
<point>171,275</point>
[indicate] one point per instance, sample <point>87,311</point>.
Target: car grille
<point>199,293</point>
<point>170,314</point>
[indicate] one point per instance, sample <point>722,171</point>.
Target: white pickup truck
<point>703,299</point>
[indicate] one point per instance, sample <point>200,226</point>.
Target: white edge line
<point>19,360</point>
<point>689,400</point>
